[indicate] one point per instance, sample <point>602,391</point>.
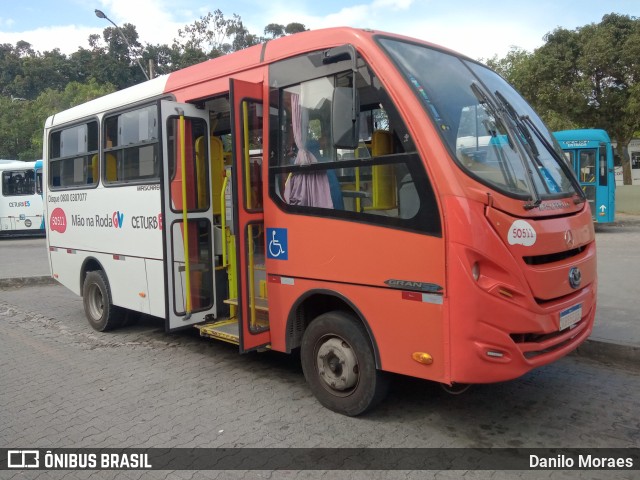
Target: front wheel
<point>98,306</point>
<point>339,364</point>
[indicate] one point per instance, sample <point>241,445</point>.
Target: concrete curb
<point>609,352</point>
<point>604,351</point>
<point>18,282</point>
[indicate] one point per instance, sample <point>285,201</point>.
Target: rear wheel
<point>98,306</point>
<point>339,364</point>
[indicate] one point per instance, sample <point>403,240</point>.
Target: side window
<point>381,181</point>
<point>73,157</point>
<point>602,178</point>
<point>18,182</point>
<point>131,146</point>
<point>196,165</point>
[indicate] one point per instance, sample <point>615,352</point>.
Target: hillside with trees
<point>587,77</point>
<point>34,85</point>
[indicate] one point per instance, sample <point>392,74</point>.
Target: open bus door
<point>189,252</point>
<point>247,133</point>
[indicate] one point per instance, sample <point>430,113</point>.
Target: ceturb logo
<point>26,203</point>
<point>58,220</point>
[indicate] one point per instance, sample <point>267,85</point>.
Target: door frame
<point>174,319</point>
<point>241,91</point>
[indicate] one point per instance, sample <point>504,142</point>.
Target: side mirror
<point>345,118</point>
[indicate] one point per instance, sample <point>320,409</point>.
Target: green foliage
<point>34,85</point>
<point>215,35</point>
<point>22,121</point>
<point>584,78</point>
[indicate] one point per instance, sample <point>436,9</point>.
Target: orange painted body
<point>494,328</point>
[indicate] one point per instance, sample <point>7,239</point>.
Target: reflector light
<point>505,292</point>
<point>422,357</point>
<point>475,271</point>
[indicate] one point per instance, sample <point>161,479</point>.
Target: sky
<point>478,29</point>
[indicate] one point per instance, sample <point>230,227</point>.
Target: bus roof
<point>588,134</point>
<point>197,79</point>
<point>11,164</point>
<point>127,96</point>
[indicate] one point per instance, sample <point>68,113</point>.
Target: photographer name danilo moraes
<point>583,461</point>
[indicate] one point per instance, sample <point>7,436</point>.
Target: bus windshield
<point>497,137</point>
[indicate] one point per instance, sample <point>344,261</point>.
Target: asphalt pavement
<point>616,333</point>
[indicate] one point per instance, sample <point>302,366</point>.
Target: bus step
<point>226,330</point>
<point>261,303</point>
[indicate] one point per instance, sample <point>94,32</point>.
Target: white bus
<point>21,208</point>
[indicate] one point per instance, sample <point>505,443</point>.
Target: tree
<point>34,85</point>
<point>588,77</point>
<point>274,30</point>
<point>215,35</point>
<point>22,121</point>
<point>294,27</point>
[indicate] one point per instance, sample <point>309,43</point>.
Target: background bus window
<point>604,171</point>
<point>18,182</point>
<point>131,146</point>
<point>73,159</point>
<point>587,166</point>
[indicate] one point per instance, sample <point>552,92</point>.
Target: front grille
<point>552,257</point>
<point>537,338</point>
<point>540,337</point>
<point>537,353</point>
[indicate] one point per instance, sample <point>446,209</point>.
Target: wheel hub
<point>96,302</point>
<point>337,364</point>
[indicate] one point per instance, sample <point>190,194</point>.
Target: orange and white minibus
<point>380,203</point>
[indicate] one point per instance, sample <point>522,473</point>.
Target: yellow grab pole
<point>223,218</point>
<point>185,225</point>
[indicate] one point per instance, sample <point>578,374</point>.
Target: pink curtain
<point>305,189</point>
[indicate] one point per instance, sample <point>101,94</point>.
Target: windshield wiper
<point>512,127</point>
<point>529,125</point>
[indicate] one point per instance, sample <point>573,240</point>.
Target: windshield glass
<point>480,117</point>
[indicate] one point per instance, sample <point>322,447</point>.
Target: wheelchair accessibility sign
<point>277,247</point>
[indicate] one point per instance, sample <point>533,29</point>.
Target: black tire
<point>339,364</point>
<point>102,314</point>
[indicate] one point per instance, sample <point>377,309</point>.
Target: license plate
<point>570,316</point>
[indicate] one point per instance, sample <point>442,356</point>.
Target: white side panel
<point>124,220</point>
<point>65,268</point>
<point>121,228</point>
<point>7,224</point>
<point>127,278</point>
<point>155,283</point>
<point>128,281</point>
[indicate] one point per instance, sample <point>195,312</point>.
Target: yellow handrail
<point>223,218</point>
<point>185,225</point>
